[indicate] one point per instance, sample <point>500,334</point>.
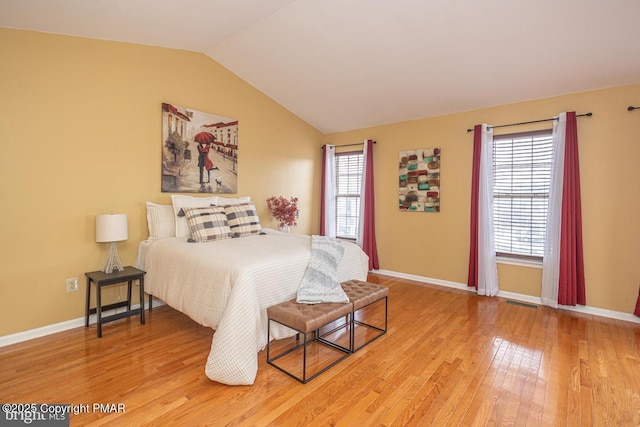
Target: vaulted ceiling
<point>348,64</point>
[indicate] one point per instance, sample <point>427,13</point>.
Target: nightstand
<point>101,279</point>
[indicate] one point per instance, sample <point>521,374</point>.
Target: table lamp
<point>112,228</point>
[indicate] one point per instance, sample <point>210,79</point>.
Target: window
<point>522,175</point>
<point>349,168</point>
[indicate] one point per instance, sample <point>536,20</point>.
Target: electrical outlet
<point>72,284</point>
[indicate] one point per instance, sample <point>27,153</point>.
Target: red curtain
<point>323,231</point>
<point>637,310</point>
<point>472,279</point>
<point>369,219</point>
<point>571,288</point>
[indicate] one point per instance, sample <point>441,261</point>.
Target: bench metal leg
<point>381,331</point>
<point>304,345</point>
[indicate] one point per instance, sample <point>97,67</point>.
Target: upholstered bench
<point>308,319</point>
<point>363,295</point>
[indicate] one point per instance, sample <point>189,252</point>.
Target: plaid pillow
<point>207,224</point>
<point>180,201</point>
<point>243,219</point>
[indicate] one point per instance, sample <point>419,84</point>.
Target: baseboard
<point>60,327</point>
<point>627,317</point>
<point>76,323</point>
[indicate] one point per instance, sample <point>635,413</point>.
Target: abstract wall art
<point>419,180</point>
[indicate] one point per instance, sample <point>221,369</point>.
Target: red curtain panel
<point>369,221</point>
<point>571,287</point>
<point>472,278</point>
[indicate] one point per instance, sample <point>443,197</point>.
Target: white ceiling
<point>348,64</point>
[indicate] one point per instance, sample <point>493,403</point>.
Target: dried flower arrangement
<point>284,210</point>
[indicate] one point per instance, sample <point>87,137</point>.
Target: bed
<point>228,284</point>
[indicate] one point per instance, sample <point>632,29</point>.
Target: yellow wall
<point>436,245</point>
<point>80,134</point>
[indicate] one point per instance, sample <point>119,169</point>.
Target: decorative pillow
<point>243,219</point>
<point>207,224</point>
<point>320,281</point>
<point>226,201</point>
<point>160,221</point>
<point>179,202</point>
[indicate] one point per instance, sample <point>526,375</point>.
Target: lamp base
<point>113,260</point>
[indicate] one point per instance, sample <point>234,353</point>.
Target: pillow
<point>160,221</point>
<point>226,201</point>
<point>179,202</point>
<point>243,219</point>
<point>207,224</point>
<point>320,281</point>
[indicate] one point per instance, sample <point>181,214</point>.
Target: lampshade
<point>111,228</point>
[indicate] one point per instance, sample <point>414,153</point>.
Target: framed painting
<point>199,151</point>
<point>419,180</point>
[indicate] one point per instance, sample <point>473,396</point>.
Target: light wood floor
<point>449,358</point>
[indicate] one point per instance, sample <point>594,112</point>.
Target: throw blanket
<point>320,281</point>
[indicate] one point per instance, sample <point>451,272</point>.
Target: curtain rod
<point>349,145</point>
<point>631,108</point>
<point>533,121</point>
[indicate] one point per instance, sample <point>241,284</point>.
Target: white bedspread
<point>227,285</point>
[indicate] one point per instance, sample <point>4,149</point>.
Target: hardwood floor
<point>449,358</point>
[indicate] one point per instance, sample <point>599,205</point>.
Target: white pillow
<point>179,202</point>
<point>160,221</point>
<point>232,201</point>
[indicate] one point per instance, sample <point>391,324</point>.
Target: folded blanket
<point>320,281</point>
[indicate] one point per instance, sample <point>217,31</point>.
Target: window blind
<point>349,167</point>
<point>522,175</point>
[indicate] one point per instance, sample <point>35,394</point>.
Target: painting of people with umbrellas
<point>199,151</point>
